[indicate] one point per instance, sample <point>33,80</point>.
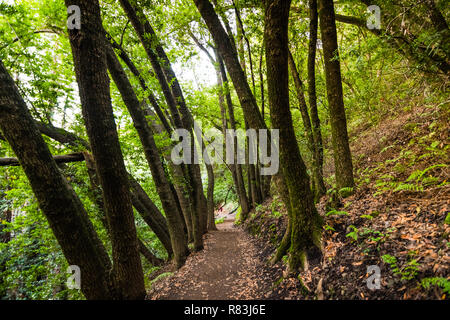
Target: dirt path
<point>228,268</point>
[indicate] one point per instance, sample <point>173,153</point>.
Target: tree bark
<point>72,157</point>
<point>312,98</point>
<point>176,104</point>
<point>230,57</point>
<point>341,149</point>
<point>240,186</point>
<point>57,200</point>
<point>175,224</point>
<point>88,54</point>
<point>305,221</point>
<point>317,176</point>
<point>96,194</point>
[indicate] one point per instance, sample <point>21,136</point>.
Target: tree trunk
<point>317,176</point>
<point>230,57</point>
<point>210,198</point>
<point>57,200</point>
<point>176,105</point>
<point>97,199</point>
<point>341,149</point>
<point>72,157</point>
<point>305,221</point>
<point>151,215</point>
<point>240,186</point>
<point>315,121</point>
<point>88,53</point>
<point>175,224</point>
<point>5,216</point>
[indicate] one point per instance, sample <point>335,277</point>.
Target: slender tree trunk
<point>180,183</point>
<point>173,95</point>
<point>96,193</point>
<point>143,204</point>
<point>251,170</point>
<point>243,199</point>
<point>317,176</point>
<point>230,57</point>
<point>315,121</point>
<point>261,79</point>
<point>57,200</point>
<point>341,149</point>
<point>151,215</point>
<point>210,197</point>
<point>174,217</point>
<point>88,53</point>
<point>305,221</point>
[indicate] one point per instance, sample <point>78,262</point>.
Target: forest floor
<point>398,220</point>
<point>229,268</point>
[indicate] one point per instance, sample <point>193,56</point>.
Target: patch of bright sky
<point>198,71</point>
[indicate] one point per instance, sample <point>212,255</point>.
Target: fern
<point>408,187</point>
<point>344,192</point>
<point>336,213</point>
<point>443,283</point>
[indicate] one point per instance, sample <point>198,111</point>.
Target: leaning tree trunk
<point>88,54</point>
<point>341,149</point>
<point>143,204</point>
<point>174,217</point>
<point>57,200</point>
<point>240,185</point>
<point>171,93</point>
<point>305,221</point>
<point>210,197</point>
<point>180,183</point>
<point>229,55</point>
<point>317,175</point>
<point>5,216</point>
<point>96,195</point>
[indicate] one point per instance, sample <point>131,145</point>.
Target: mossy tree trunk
<point>317,176</point>
<point>88,54</point>
<point>180,114</point>
<point>163,187</point>
<point>312,97</point>
<point>57,200</point>
<point>341,149</point>
<point>305,221</point>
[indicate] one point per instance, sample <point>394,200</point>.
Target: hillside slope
<point>397,219</point>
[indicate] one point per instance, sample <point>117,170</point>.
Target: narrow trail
<point>228,268</point>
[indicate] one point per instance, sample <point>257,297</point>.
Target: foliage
<point>407,272</point>
<point>220,220</point>
<point>443,283</point>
